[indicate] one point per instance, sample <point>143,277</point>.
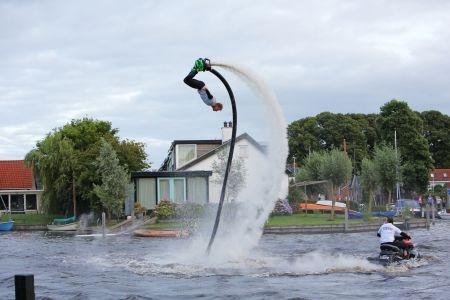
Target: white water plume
<point>236,237</point>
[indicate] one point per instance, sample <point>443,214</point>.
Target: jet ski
<point>390,254</point>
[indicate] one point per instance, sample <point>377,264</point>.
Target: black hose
<point>230,158</point>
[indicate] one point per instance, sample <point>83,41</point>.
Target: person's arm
<point>379,232</point>
<point>397,231</point>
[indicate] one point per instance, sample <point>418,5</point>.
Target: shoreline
<point>341,228</point>
<point>303,229</point>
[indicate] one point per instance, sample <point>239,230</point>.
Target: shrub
<point>282,207</point>
<point>189,211</point>
<point>165,210</point>
<point>138,208</point>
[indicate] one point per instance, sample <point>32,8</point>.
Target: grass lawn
<point>30,219</point>
<point>292,220</point>
<point>310,219</point>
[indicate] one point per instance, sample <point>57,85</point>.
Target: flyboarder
<point>202,65</point>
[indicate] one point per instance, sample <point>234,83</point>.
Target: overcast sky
<point>124,61</point>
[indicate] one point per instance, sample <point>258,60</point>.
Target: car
<point>408,204</point>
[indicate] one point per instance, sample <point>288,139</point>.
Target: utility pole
<point>294,167</point>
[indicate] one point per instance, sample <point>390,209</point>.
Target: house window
<point>243,151</point>
<point>31,202</point>
<point>147,192</point>
<point>4,205</point>
<point>197,190</point>
<point>185,153</point>
<point>17,202</point>
<point>172,189</point>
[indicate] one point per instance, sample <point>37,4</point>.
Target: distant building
<point>18,187</point>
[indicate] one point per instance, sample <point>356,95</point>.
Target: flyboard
<point>208,67</point>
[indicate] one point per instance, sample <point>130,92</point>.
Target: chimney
<point>226,131</point>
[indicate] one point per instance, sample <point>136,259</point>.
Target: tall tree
<point>436,128</point>
<point>64,161</point>
<point>386,163</point>
<point>337,169</point>
<point>369,180</point>
<point>397,116</point>
<point>115,180</point>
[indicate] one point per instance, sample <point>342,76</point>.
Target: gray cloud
<point>124,62</point>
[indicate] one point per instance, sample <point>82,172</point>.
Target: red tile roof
<point>440,175</point>
<point>14,174</point>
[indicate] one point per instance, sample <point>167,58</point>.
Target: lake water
<point>331,266</point>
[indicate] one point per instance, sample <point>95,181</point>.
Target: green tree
<point>337,169</point>
<point>236,178</point>
<point>64,162</point>
<point>436,128</point>
<point>369,180</point>
<point>397,116</point>
<point>115,180</point>
<point>386,163</point>
<point>327,131</point>
<point>303,138</point>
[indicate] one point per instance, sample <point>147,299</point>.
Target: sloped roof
<point>14,174</point>
<point>215,150</point>
<point>440,175</point>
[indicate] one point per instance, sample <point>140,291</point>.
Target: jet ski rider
<point>388,232</point>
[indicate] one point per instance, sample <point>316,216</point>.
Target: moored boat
<point>68,224</point>
<point>66,227</point>
<point>160,233</point>
<point>444,215</point>
<point>6,226</point>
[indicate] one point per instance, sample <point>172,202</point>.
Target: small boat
<point>66,227</point>
<point>68,224</point>
<point>6,226</point>
<point>160,233</point>
<point>444,215</point>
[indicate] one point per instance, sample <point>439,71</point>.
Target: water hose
<point>230,154</point>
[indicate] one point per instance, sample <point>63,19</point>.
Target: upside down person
<point>201,87</point>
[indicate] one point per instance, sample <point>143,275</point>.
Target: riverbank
<point>342,228</point>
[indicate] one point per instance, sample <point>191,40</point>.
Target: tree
<point>115,180</point>
<point>386,163</point>
<point>236,178</point>
<point>327,131</point>
<point>312,167</point>
<point>337,169</point>
<point>303,137</point>
<point>64,162</point>
<point>397,116</point>
<point>436,128</point>
<point>369,180</point>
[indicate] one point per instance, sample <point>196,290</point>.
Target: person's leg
<point>193,83</point>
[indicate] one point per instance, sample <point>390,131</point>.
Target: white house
<point>186,173</point>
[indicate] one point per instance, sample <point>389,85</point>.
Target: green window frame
<point>171,189</point>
